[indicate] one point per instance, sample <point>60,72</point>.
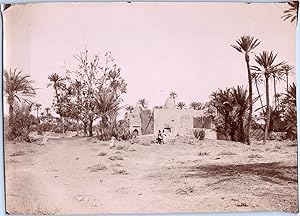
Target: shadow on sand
<point>271,172</point>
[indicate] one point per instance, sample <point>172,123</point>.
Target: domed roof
<point>169,104</point>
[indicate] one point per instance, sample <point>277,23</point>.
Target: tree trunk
<point>241,129</point>
<point>276,101</point>
<point>90,126</point>
<point>63,125</point>
<point>10,120</point>
<point>85,128</point>
<point>268,111</point>
<point>77,127</point>
<point>259,95</point>
<point>248,130</point>
<point>287,82</point>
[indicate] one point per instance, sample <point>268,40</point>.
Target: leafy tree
<point>267,67</point>
<point>245,45</point>
<point>95,89</point>
<point>181,105</point>
<point>18,87</point>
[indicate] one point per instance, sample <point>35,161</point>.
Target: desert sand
<point>84,175</point>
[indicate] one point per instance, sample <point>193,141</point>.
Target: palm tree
<point>173,95</point>
<point>181,105</point>
<point>17,87</point>
<point>56,82</point>
<point>37,107</point>
<point>276,75</point>
<point>287,69</point>
<point>246,44</point>
<point>47,109</point>
<point>267,67</point>
<point>143,102</point>
<point>129,108</point>
<point>292,12</point>
<point>194,105</point>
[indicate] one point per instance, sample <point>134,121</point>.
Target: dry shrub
<point>102,154</point>
<point>18,153</point>
<point>226,153</point>
<point>117,165</point>
<point>120,172</point>
<point>203,153</point>
<point>12,161</point>
<point>115,157</point>
<point>254,156</point>
<point>185,191</point>
<point>97,167</point>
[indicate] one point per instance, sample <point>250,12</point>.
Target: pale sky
<point>160,47</point>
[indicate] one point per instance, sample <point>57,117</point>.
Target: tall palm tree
<point>17,87</point>
<point>129,108</point>
<point>246,44</point>
<point>143,102</point>
<point>276,75</point>
<point>287,69</point>
<point>292,12</point>
<point>173,96</point>
<point>267,67</point>
<point>181,105</point>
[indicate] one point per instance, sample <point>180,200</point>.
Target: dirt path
<point>70,176</point>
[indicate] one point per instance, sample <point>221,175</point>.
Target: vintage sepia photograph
<point>143,107</point>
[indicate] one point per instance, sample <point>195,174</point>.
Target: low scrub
<point>18,153</point>
<point>115,157</point>
<point>226,153</point>
<point>254,156</point>
<point>120,172</point>
<point>97,167</point>
<point>203,153</point>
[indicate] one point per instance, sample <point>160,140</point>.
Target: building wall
<point>146,122</point>
<point>134,122</point>
<point>179,121</point>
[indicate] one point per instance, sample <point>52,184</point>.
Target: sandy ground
<point>83,175</point>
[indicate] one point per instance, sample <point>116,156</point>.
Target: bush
<point>119,130</point>
<point>199,134</point>
<point>22,123</point>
